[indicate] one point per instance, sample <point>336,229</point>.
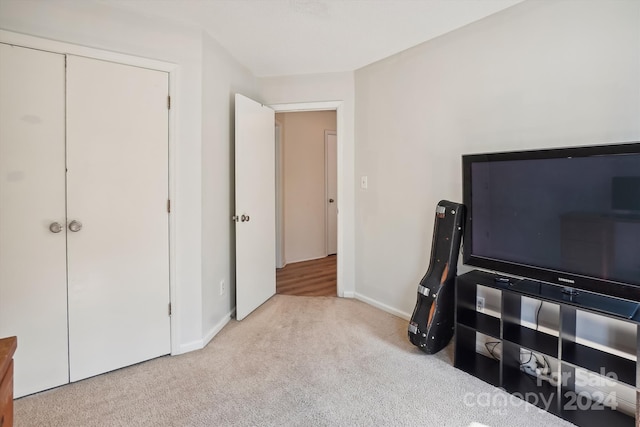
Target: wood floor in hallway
<point>308,278</point>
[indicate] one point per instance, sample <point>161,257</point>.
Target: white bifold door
<point>84,253</point>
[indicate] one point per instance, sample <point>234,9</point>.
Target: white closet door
<point>117,188</point>
<point>33,288</point>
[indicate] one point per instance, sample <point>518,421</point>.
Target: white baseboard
<point>305,259</point>
<point>190,346</point>
<point>217,328</point>
<point>384,307</point>
<point>348,294</point>
<point>202,343</point>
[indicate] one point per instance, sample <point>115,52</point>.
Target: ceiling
<point>288,37</point>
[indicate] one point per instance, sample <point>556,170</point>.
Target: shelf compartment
<point>531,339</point>
<point>467,292</point>
<point>595,360</point>
<point>481,322</point>
<point>469,360</point>
<point>585,412</point>
<point>481,366</point>
<point>536,391</point>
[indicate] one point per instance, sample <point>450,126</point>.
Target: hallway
<point>308,278</point>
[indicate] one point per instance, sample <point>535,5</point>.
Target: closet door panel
<point>33,288</point>
<point>117,156</point>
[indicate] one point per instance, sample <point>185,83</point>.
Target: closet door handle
<point>55,227</point>
<point>75,226</point>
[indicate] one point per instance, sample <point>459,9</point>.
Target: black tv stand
<point>581,299</point>
<point>569,357</point>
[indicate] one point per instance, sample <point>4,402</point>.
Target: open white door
<point>331,202</point>
<point>255,205</point>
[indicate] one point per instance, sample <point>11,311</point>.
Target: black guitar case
<point>431,326</point>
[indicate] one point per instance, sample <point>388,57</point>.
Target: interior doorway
<point>306,203</point>
<point>308,278</point>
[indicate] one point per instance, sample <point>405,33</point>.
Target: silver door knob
<point>75,226</point>
<point>55,227</point>
<point>244,218</point>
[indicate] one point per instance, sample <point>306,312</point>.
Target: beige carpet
<point>296,361</point>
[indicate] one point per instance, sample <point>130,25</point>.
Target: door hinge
<point>168,102</point>
<point>169,309</point>
<point>168,206</point>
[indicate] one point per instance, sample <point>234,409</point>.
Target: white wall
<point>304,183</point>
<point>540,74</point>
<point>318,88</point>
<point>202,132</point>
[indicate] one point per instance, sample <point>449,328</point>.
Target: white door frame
<point>173,71</point>
<point>280,259</point>
<point>338,107</point>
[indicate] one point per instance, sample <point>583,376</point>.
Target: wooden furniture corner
<point>7,348</point>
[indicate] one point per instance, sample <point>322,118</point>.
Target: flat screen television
<point>566,216</point>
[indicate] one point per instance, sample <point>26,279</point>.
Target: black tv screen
<point>568,216</point>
